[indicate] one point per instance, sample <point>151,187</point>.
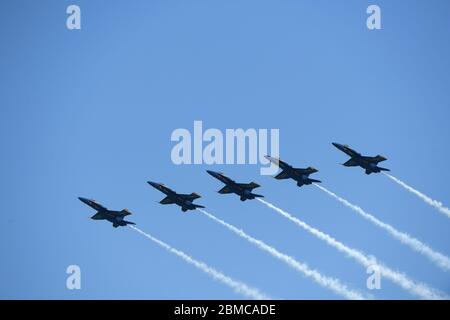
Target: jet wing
<point>190,197</point>
<point>167,200</point>
<point>98,216</point>
<point>376,159</point>
<point>309,170</point>
<point>250,186</point>
<point>125,213</point>
<point>282,175</point>
<point>122,213</point>
<point>225,190</point>
<point>351,163</point>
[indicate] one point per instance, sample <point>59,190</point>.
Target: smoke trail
<point>330,283</point>
<point>438,258</point>
<point>402,280</point>
<point>237,286</point>
<point>434,203</point>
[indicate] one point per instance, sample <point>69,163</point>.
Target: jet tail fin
<point>129,222</point>
<point>383,169</point>
<point>315,181</point>
<point>198,206</point>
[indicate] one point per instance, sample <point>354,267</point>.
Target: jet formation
<point>243,190</point>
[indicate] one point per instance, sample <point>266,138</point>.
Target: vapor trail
<point>437,258</point>
<point>327,282</point>
<point>434,203</point>
<point>421,290</point>
<point>237,286</point>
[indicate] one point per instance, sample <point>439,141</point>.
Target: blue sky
<point>90,113</point>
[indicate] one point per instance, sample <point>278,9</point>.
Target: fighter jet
<point>370,164</point>
<point>298,174</point>
<point>183,200</point>
<point>115,217</point>
<point>244,190</point>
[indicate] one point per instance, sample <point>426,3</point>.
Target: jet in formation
<point>298,174</point>
<point>115,217</point>
<point>243,190</point>
<point>370,164</point>
<point>185,201</point>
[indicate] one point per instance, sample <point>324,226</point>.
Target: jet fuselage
<point>115,217</point>
<point>301,176</point>
<point>183,200</point>
<point>370,164</point>
<point>244,191</point>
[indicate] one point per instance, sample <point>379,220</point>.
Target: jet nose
<point>337,145</point>
<point>153,184</point>
<point>84,200</point>
<point>273,160</point>
<point>213,173</point>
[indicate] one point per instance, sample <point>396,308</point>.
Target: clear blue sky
<point>90,112</point>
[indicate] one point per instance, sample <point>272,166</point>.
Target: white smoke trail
<point>436,257</point>
<point>434,203</point>
<point>327,282</point>
<point>400,279</point>
<point>237,286</point>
